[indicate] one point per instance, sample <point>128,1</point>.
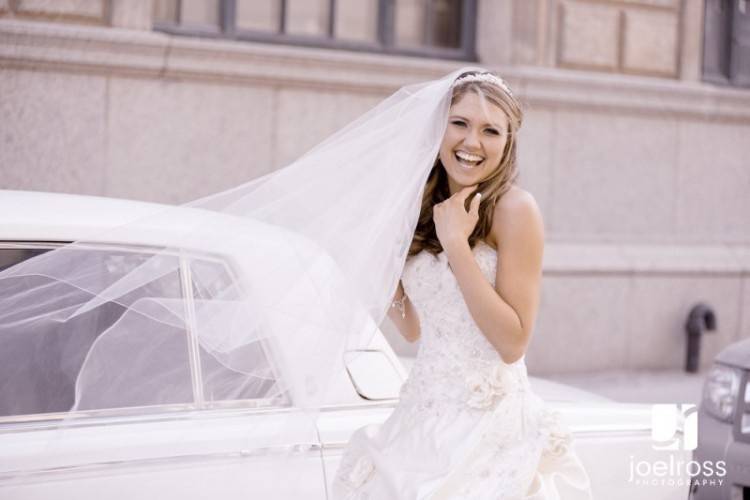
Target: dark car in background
<point>724,427</point>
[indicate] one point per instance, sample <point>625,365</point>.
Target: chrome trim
<point>119,247</point>
<point>606,430</point>
<point>382,403</point>
<point>124,416</point>
<point>33,245</point>
<point>196,374</point>
<point>582,434</point>
<point>34,474</point>
<point>354,383</point>
<point>177,411</point>
<point>741,431</point>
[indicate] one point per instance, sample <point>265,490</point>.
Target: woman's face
<point>474,141</point>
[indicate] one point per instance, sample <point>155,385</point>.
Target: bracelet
<point>399,304</point>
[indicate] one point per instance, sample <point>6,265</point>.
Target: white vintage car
<point>220,449</point>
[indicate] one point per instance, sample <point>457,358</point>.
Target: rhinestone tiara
<point>483,77</point>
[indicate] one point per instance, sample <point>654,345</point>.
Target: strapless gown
<point>467,425</point>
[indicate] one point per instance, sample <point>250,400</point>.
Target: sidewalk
<point>642,386</point>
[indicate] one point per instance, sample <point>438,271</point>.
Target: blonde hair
<point>492,188</point>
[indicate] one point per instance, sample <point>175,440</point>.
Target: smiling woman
<point>467,425</point>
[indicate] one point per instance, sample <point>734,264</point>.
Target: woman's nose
<point>471,139</point>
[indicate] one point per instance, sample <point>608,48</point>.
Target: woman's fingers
<point>474,207</point>
<point>465,192</point>
<point>460,197</point>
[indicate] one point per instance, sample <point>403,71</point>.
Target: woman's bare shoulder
<point>514,197</point>
<point>517,207</point>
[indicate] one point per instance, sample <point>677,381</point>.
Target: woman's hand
<point>453,223</point>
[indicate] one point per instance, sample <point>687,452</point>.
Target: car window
<point>245,373</point>
<point>49,353</point>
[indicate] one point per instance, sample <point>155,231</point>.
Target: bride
<point>467,424</point>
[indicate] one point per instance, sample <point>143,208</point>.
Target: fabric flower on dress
<point>361,472</point>
<point>559,439</point>
<point>486,388</point>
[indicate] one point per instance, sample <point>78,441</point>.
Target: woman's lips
<point>466,165</point>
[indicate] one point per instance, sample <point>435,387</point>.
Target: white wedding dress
<point>467,425</point>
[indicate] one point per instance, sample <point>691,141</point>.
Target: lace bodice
<point>456,366</point>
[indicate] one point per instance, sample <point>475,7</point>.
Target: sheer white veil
<point>316,251</point>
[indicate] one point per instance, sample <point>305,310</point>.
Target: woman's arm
<point>505,314</point>
<point>408,325</point>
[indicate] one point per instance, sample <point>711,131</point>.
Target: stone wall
<point>640,168</point>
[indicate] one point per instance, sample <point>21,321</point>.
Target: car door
<point>366,395</point>
<point>210,441</point>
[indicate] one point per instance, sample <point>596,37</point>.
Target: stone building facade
<point>635,139</point>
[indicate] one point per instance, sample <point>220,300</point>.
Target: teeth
<point>468,156</point>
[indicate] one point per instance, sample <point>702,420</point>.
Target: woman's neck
<point>453,187</point>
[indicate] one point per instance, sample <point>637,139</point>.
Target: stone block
<point>356,20</point>
<point>495,32</point>
<point>714,181</point>
<point>650,42</point>
<point>581,325</point>
<point>307,17</point>
<point>174,141</point>
<point>664,4</point>
<point>132,14</point>
<point>691,50</point>
<point>529,31</point>
<point>614,176</point>
<point>535,156</point>
<point>52,131</point>
<point>258,16</point>
<point>89,9</point>
<point>588,35</point>
<point>659,308</point>
<point>304,117</point>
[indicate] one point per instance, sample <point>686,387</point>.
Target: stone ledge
<point>94,49</point>
<point>632,94</point>
<point>568,258</point>
<point>118,51</point>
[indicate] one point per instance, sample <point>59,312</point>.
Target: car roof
<point>737,354</point>
<point>56,217</point>
<point>29,207</point>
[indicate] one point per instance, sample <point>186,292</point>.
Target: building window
<point>726,44</point>
<point>426,28</point>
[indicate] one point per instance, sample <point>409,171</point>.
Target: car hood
<point>737,354</point>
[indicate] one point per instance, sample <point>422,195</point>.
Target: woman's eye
<point>456,122</point>
<point>493,131</point>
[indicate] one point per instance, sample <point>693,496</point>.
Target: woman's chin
<point>464,176</point>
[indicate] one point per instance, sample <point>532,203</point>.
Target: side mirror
<point>373,374</point>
